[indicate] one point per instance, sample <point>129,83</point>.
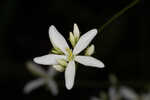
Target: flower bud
<point>76,32</point>
<point>56,51</point>
<point>72,39</point>
<point>90,50</point>
<point>62,62</point>
<point>59,68</point>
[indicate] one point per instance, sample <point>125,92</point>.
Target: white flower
<point>46,78</point>
<point>59,42</point>
<point>122,92</point>
<point>113,93</point>
<point>128,93</point>
<point>94,98</point>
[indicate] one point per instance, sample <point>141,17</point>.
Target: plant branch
<point>119,14</point>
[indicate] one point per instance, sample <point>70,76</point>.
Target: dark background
<point>123,46</point>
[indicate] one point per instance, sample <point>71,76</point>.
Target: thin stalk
<point>121,12</point>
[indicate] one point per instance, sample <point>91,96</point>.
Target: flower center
<point>70,55</point>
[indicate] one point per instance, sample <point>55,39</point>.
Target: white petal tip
<point>95,30</point>
<point>74,25</point>
<point>52,26</point>
<point>51,29</point>
<point>69,87</point>
<point>89,61</point>
<point>41,61</point>
<point>36,60</point>
<point>70,75</point>
<point>100,65</point>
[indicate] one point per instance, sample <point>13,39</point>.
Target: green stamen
<point>56,51</point>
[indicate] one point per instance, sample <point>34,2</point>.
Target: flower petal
<point>49,59</point>
<point>51,71</point>
<point>113,93</point>
<point>89,61</point>
<point>128,93</point>
<point>84,41</point>
<point>35,69</point>
<point>33,85</point>
<point>57,39</point>
<point>52,86</point>
<point>70,75</point>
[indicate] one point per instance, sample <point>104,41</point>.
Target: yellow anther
<point>70,56</point>
<point>68,51</point>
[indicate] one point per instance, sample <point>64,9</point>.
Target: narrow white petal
<point>52,85</point>
<point>35,69</point>
<point>70,75</point>
<point>57,39</point>
<point>33,85</point>
<point>89,61</point>
<point>128,93</point>
<point>84,41</point>
<point>51,71</point>
<point>49,59</point>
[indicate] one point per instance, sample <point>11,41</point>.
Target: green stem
<point>119,14</point>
